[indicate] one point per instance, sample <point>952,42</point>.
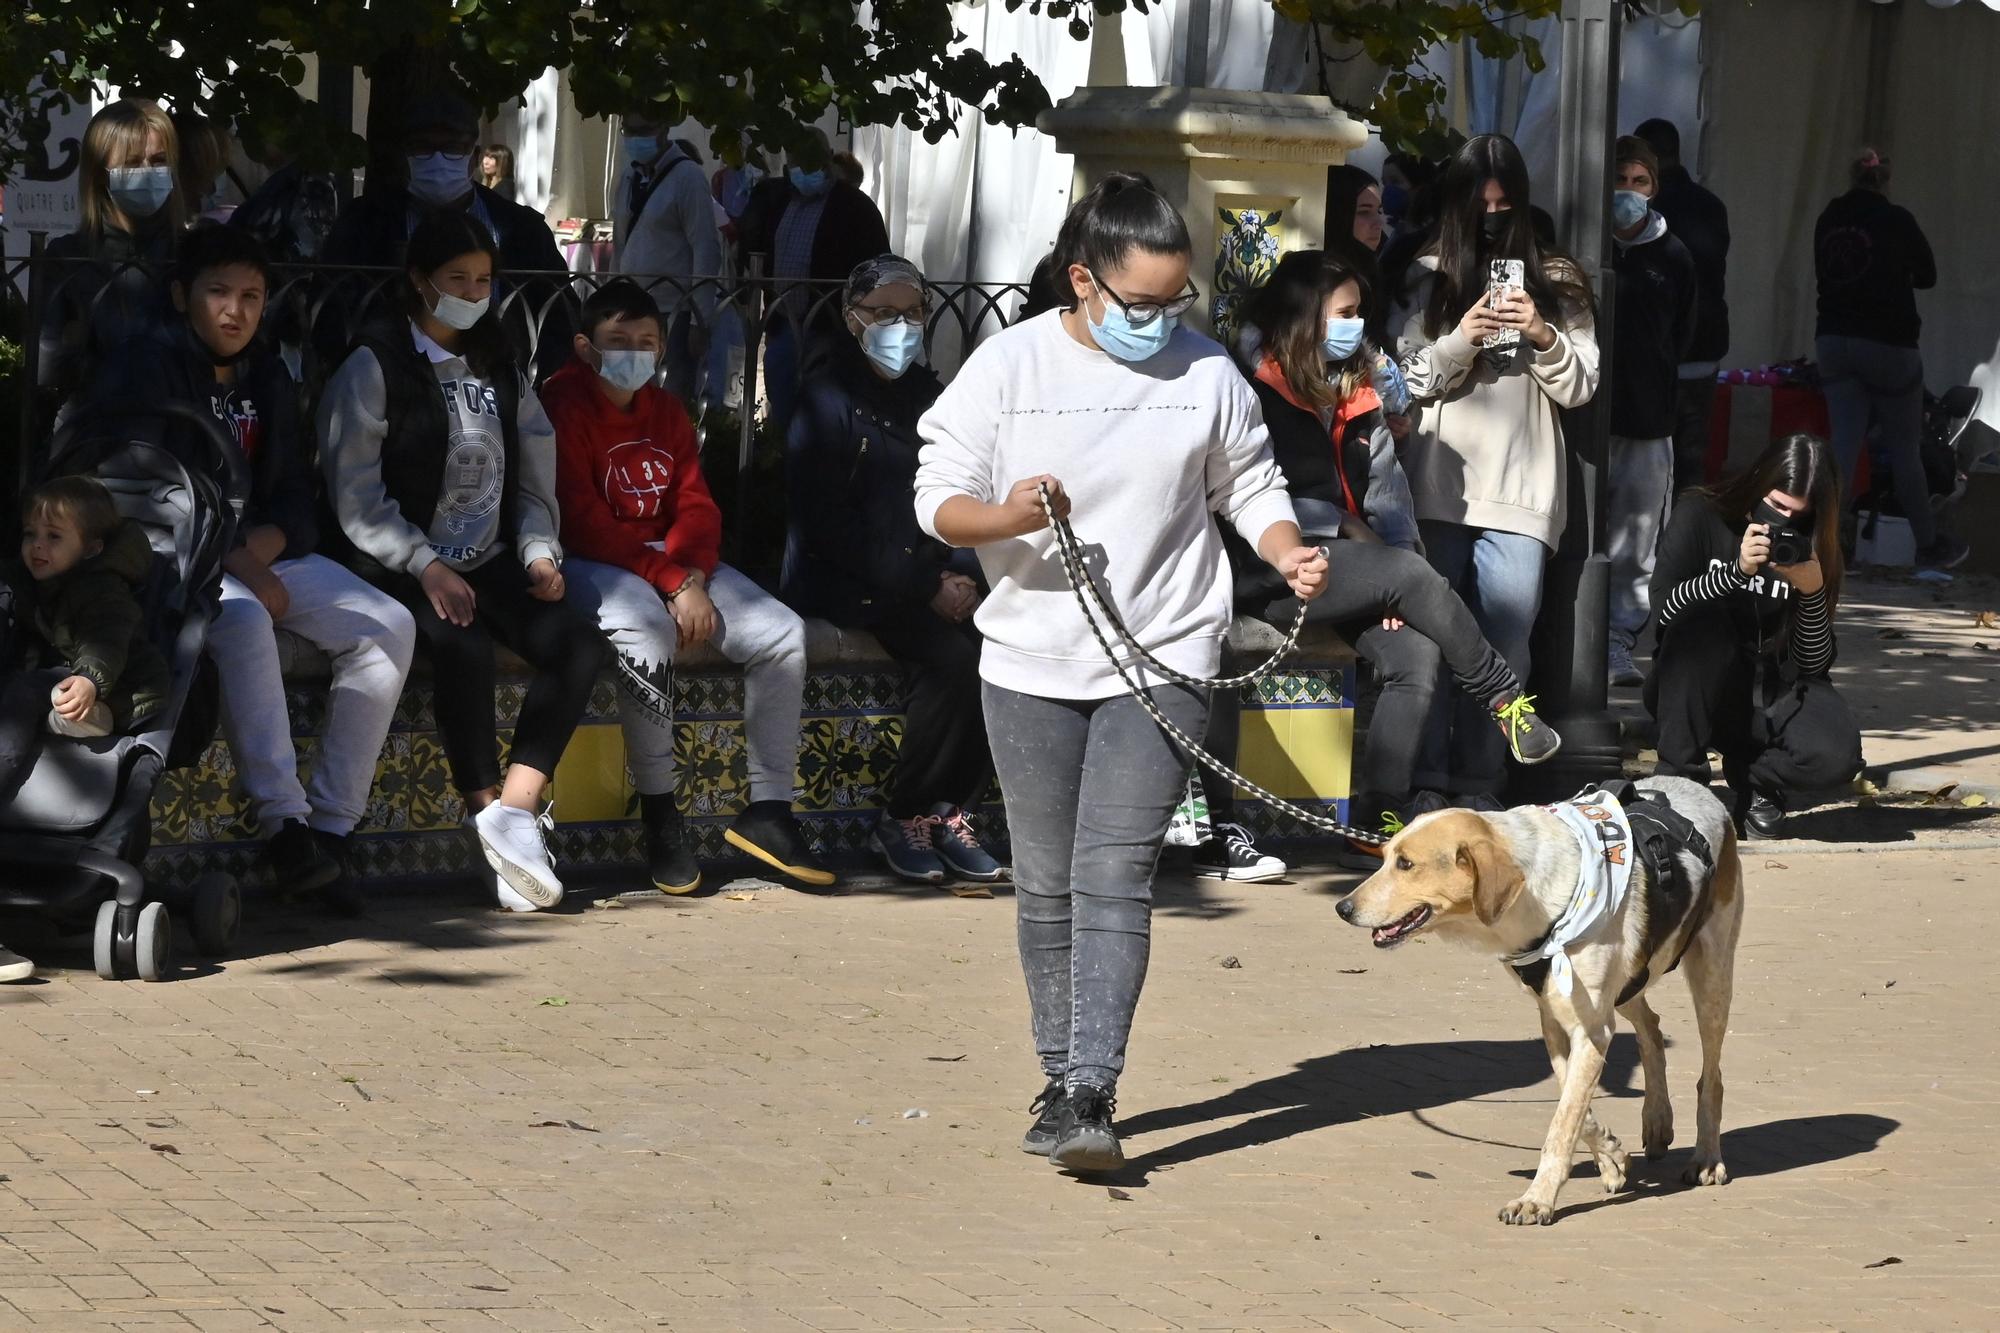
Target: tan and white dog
<point>1502,882</point>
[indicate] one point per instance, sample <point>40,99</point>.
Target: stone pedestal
<point>1246,169</point>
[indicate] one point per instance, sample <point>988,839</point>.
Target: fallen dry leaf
<point>1776,865</point>
<point>1891,634</point>
<point>1883,1263</point>
<point>1986,620</point>
<point>167,1148</point>
<point>1352,971</point>
<point>741,897</point>
<point>1974,801</point>
<point>1231,962</point>
<point>1863,787</point>
<point>1119,1195</point>
<point>605,903</point>
<point>971,891</point>
<point>1933,797</point>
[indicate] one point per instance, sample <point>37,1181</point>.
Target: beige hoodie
<point>1486,446</point>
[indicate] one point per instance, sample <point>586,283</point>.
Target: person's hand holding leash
<point>1755,551</point>
<point>1304,568</point>
<point>1023,505</point>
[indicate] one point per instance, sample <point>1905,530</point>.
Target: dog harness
<point>1604,845</point>
<point>1656,833</point>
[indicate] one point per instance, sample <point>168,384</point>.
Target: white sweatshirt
<point>1146,452</point>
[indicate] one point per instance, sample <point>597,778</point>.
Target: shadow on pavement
<point>1749,1152</point>
<point>1861,825</point>
<point>1362,1083</point>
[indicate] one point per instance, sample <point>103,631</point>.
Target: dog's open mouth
<point>1393,934</point>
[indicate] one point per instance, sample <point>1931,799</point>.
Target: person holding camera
<point>1745,586</point>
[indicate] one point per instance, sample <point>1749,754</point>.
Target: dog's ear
<point>1496,878</point>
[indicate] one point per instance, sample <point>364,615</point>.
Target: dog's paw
<point>1658,1132</point>
<point>1525,1212</point>
<point>1715,1173</point>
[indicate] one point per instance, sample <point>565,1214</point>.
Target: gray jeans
<point>1639,496</point>
<point>752,629</point>
<point>1867,383</point>
<point>1090,786</point>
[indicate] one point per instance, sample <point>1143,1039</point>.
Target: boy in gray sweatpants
<point>644,536</point>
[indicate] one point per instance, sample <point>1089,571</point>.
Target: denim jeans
<point>1499,577</point>
<point>1639,494</point>
<point>1090,786</point>
<point>1869,383</point>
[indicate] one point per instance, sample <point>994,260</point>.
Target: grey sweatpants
<point>1639,485</point>
<point>1090,785</point>
<point>753,629</point>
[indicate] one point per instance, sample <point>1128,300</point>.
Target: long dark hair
<point>1797,465</point>
<point>1286,311</point>
<point>443,235</point>
<point>1345,184</point>
<point>1559,289</point>
<point>1122,213</point>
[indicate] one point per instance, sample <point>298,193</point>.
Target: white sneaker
<point>511,901</point>
<point>513,843</point>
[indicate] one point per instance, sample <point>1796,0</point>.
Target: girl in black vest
<point>1746,635</point>
<point>1309,364</point>
<point>441,465</point>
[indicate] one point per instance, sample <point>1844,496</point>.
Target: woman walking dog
<point>1137,428</point>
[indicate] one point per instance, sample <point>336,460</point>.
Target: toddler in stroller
<point>75,826</point>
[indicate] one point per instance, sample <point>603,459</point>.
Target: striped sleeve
<point>1718,582</point>
<point>1811,644</point>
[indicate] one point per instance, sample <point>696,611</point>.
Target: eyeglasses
<point>883,316</point>
<point>1141,313</point>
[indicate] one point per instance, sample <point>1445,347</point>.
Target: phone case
<point>1505,274</point>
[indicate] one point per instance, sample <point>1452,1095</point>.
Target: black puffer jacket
<point>853,551</point>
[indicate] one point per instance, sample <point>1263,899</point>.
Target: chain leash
<point>1092,602</point>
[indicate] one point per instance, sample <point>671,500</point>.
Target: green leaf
<point>552,1002</point>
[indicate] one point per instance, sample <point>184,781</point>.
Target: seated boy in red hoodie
<point>643,536</point>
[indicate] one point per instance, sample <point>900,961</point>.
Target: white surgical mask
<point>629,369</point>
<point>140,192</point>
<point>455,312</point>
<point>892,347</point>
<point>437,179</point>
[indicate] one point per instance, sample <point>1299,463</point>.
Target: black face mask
<point>1791,538</point>
<point>1493,226</point>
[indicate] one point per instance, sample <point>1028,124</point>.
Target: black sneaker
<point>13,967</point>
<point>341,895</point>
<point>1529,739</point>
<point>1763,818</point>
<point>1231,855</point>
<point>1085,1142</point>
<point>670,863</point>
<point>1048,1109</point>
<point>767,831</point>
<point>296,861</point>
<point>1945,552</point>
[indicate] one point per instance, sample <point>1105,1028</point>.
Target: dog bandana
<point>1604,843</point>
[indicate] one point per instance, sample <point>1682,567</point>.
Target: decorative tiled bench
<point>1297,736</point>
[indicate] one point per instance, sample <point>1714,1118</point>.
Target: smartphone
<point>1504,275</point>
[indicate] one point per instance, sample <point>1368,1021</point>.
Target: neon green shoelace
<point>1392,823</point>
<point>1520,713</point>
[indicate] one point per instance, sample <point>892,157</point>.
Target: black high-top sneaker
<point>672,865</point>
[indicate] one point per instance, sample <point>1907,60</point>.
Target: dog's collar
<point>1604,845</point>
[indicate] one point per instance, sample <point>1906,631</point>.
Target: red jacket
<point>630,480</point>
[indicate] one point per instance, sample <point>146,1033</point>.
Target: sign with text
<point>42,193</point>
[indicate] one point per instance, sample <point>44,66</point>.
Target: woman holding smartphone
<point>1145,428</point>
<point>1490,367</point>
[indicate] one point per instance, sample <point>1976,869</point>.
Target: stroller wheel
<point>153,943</point>
<point>104,942</point>
<point>216,909</point>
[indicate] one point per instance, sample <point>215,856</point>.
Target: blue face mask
<point>140,192</point>
<point>1628,209</point>
<point>641,149</point>
<point>1119,339</point>
<point>1343,338</point>
<point>811,184</point>
<point>892,347</point>
<point>437,179</point>
<point>628,369</point>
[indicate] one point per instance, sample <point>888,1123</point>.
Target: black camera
<point>1791,544</point>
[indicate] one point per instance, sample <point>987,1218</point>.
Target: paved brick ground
<point>692,1116</point>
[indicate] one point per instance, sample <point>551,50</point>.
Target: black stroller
<point>74,838</point>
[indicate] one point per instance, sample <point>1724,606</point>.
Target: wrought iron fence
<point>726,333</point>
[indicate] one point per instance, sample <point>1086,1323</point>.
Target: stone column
<point>1246,169</point>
